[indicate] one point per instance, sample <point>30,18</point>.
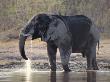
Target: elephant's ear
<point>57,29</point>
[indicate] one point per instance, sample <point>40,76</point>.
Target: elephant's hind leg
<point>93,53</point>
<point>94,63</point>
<point>52,49</point>
<point>91,58</point>
<point>65,55</point>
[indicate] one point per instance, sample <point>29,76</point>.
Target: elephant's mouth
<point>44,35</point>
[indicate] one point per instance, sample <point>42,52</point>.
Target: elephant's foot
<point>66,68</point>
<point>95,68</point>
<point>89,68</point>
<point>53,68</point>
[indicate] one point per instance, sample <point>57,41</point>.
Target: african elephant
<point>70,34</point>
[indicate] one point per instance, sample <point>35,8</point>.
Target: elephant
<point>70,34</point>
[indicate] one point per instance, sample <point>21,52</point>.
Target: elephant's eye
<point>33,22</point>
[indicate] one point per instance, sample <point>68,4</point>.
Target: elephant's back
<point>79,27</point>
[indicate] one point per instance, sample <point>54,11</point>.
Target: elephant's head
<point>36,28</point>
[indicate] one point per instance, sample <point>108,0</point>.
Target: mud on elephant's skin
<point>70,34</point>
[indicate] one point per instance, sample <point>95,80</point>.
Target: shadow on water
<point>89,76</point>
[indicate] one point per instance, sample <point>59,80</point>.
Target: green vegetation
<point>15,13</point>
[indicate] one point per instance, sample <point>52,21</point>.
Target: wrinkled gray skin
<point>55,31</point>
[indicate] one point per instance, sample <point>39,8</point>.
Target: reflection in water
<point>91,76</point>
<point>65,77</point>
<point>72,77</point>
<point>28,70</point>
<point>53,77</point>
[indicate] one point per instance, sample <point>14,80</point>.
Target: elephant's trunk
<point>22,40</point>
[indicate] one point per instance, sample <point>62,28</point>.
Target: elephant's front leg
<point>65,55</point>
<point>52,49</point>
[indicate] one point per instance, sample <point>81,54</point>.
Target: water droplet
<point>28,70</point>
<point>31,47</point>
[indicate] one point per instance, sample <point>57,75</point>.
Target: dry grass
<point>104,51</point>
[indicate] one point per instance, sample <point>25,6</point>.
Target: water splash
<point>28,65</point>
<point>31,47</point>
<point>28,70</point>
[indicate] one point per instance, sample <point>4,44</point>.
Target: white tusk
<point>25,34</point>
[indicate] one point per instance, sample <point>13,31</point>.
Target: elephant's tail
<point>98,44</point>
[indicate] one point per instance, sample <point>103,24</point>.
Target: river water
<point>90,76</point>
